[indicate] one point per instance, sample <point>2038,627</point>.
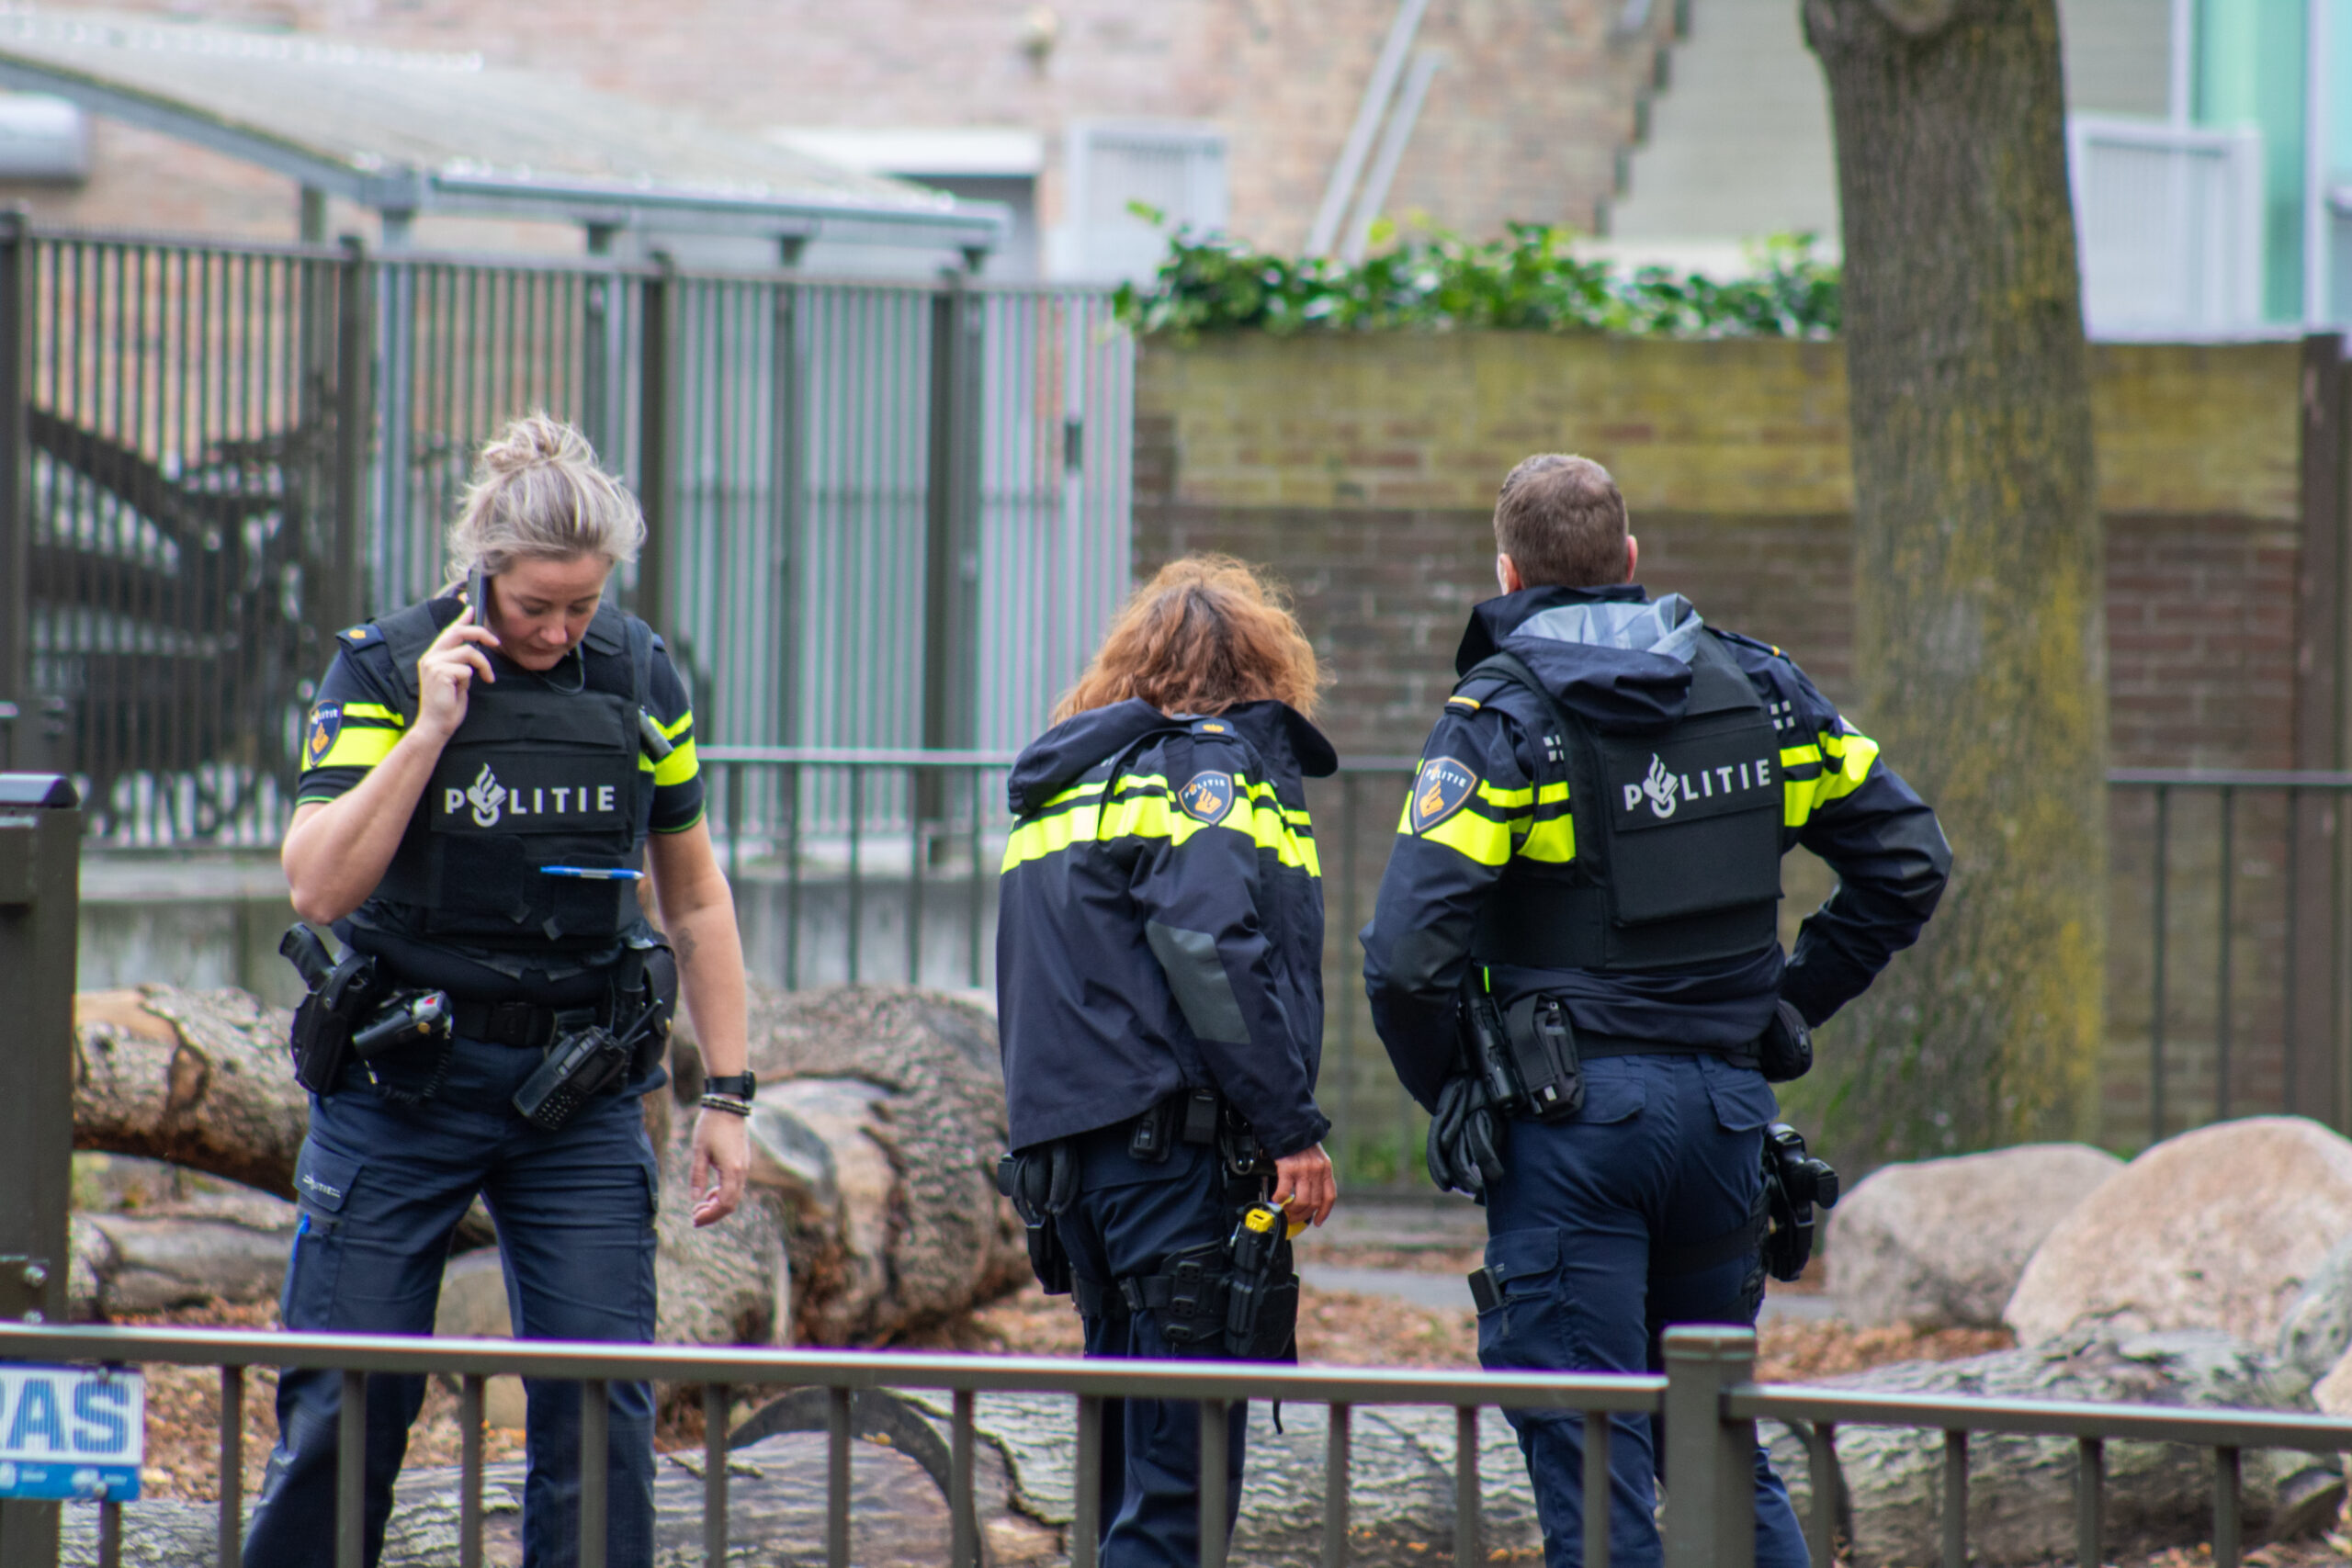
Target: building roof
<point>407,132</point>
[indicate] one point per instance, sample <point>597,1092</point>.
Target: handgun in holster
<point>342,993</point>
<point>1794,1181</point>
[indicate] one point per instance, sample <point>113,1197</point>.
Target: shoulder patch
<point>1441,788</point>
<point>317,739</point>
<point>1207,797</point>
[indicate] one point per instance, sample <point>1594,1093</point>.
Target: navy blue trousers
<point>382,1189</point>
<point>1666,1154</point>
<point>1129,1218</point>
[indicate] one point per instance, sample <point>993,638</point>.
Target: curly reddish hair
<point>1204,634</point>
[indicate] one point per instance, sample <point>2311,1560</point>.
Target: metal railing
<point>1216,1387</point>
<point>880,514</point>
<point>879,865</point>
<point>1816,1414</point>
<point>1707,1396</point>
<point>799,823</point>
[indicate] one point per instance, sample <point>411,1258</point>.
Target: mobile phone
<point>478,595</point>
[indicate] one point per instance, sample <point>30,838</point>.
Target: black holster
<point>645,1003</point>
<point>1042,1183</point>
<point>1528,1055</point>
<point>341,995</point>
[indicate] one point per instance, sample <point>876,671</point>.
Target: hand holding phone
<point>478,595</point>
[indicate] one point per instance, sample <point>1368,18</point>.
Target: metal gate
<point>881,515</point>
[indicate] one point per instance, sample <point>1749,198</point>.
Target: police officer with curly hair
<point>491,776</point>
<point>1160,1004</point>
<point>1575,964</point>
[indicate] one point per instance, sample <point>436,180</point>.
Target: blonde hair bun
<point>537,490</point>
<point>535,438</point>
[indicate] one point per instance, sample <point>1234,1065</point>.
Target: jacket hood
<point>1612,656</point>
<point>1083,741</point>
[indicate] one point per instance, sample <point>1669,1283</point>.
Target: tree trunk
<point>1979,639</point>
<point>2021,1488</point>
<point>875,1144</point>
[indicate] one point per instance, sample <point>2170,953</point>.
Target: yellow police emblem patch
<point>1443,788</point>
<point>327,722</point>
<point>1207,797</point>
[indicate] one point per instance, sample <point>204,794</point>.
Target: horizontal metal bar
<point>1957,1413</point>
<point>2224,778</point>
<point>836,1368</point>
<point>851,757</point>
<point>185,244</point>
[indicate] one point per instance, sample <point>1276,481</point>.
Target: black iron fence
<point>2226,990</point>
<point>2228,939</point>
<point>882,515</point>
<point>1707,1396</point>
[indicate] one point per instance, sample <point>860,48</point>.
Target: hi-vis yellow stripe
<point>1143,811</point>
<point>1844,760</point>
<point>676,768</point>
<point>360,746</point>
<point>681,764</point>
<point>1511,825</point>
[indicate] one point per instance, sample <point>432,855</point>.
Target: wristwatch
<point>736,1086</point>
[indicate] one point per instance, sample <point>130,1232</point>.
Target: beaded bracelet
<point>727,1102</point>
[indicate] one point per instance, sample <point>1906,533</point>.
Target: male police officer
<point>1589,868</point>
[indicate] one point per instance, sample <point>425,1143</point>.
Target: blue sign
<point>72,1432</point>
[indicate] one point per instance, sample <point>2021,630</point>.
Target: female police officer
<point>480,783</point>
<point>1159,975</point>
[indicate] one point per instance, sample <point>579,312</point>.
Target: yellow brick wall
<point>1748,427</point>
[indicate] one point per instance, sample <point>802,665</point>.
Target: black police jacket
<point>1489,794</point>
<point>1161,921</point>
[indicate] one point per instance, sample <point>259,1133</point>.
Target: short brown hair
<point>1561,521</point>
<point>1204,634</point>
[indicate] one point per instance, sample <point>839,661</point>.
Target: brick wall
<point>1361,471</point>
<point>1525,121</point>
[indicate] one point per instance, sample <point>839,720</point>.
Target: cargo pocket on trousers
<point>1743,1100</point>
<point>323,1183</point>
<point>1519,1321</point>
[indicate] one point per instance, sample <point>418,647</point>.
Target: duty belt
<point>526,1025</point>
<point>1624,1045</point>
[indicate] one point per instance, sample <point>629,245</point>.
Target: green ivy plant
<point>1426,279</point>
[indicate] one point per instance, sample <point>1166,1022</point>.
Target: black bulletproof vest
<point>1678,836</point>
<point>535,777</point>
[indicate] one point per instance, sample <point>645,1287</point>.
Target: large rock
<point>1941,1243</point>
<point>2021,1489</point>
<point>2219,1228</point>
<point>2318,1329</point>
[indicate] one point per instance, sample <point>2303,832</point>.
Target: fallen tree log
<point>2021,1489</point>
<point>1401,1496</point>
<point>775,1515</point>
<point>145,1263</point>
<point>876,1211</point>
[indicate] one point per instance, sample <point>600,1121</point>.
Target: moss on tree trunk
<point>1980,643</point>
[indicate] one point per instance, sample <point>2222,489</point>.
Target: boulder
<point>2333,1392</point>
<point>2219,1228</point>
<point>2318,1329</point>
<point>2021,1489</point>
<point>1940,1243</point>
